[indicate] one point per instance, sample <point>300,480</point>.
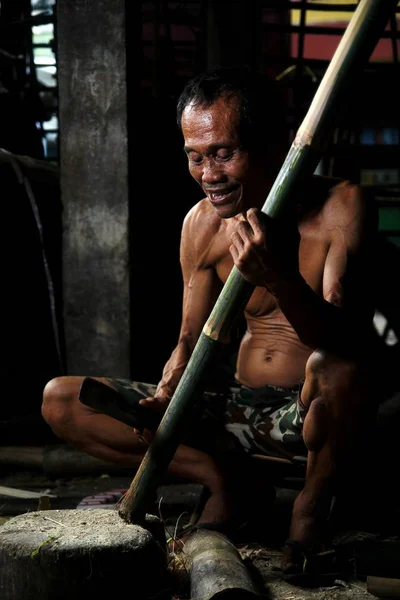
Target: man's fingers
<point>254,220</point>
<point>234,252</point>
<point>149,403</point>
<point>237,239</point>
<point>251,212</point>
<point>157,405</point>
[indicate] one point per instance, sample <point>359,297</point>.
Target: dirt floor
<point>263,564</point>
<point>266,563</point>
<point>262,557</point>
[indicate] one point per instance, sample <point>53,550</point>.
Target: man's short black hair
<point>261,102</point>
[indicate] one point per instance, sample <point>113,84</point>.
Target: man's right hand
<point>157,404</point>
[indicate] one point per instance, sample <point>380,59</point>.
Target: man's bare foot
<point>216,515</point>
<point>229,511</point>
<point>218,509</point>
<point>307,537</point>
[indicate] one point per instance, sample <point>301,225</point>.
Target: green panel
<point>389,218</point>
<point>394,239</point>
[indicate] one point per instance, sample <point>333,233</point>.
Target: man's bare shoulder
<point>201,228</point>
<point>337,202</point>
<point>201,220</point>
<point>349,205</point>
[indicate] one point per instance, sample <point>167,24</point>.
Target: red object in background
<point>322,47</point>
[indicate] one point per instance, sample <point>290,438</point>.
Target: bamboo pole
<point>363,32</point>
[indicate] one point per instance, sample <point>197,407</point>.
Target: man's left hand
<point>265,249</point>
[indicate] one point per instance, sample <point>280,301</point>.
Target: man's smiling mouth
<point>223,196</point>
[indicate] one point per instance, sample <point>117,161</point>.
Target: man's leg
<point>113,441</point>
<point>338,420</point>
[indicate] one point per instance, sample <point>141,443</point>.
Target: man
<point>302,362</point>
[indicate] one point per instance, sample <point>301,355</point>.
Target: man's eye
<point>225,155</point>
<point>195,158</point>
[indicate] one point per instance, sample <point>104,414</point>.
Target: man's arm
<point>338,318</point>
<point>201,289</point>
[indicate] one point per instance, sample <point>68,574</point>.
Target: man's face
<point>218,163</point>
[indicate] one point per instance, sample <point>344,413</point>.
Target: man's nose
<point>212,172</point>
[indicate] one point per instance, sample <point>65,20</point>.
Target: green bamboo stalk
<point>363,32</point>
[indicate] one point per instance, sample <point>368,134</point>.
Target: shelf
<point>318,30</point>
<point>365,150</point>
<point>284,5</point>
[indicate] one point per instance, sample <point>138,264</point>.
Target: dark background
<point>164,44</point>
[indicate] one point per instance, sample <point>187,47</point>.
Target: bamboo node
<point>303,138</point>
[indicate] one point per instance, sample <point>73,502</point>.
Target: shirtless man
<point>302,362</point>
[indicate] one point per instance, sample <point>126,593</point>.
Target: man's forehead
<point>223,104</point>
<point>220,115</point>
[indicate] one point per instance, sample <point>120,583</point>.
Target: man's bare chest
<point>312,255</point>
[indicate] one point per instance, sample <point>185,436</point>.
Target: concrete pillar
<point>94,185</point>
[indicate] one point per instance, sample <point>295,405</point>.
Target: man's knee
<point>336,396</point>
<point>316,425</point>
<point>327,372</point>
<point>58,395</point>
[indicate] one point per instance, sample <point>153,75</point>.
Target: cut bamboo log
<point>216,568</point>
<point>366,26</point>
<point>383,587</point>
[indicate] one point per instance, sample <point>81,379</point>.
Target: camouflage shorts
<point>267,420</point>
